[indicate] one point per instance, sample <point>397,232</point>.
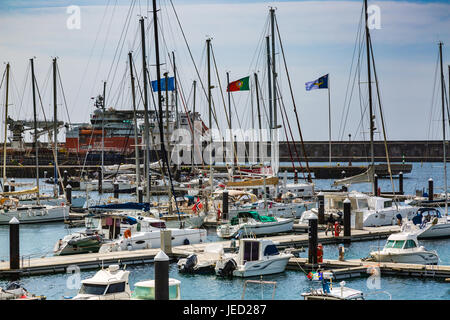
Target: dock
<point>356,268</point>
<point>60,264</point>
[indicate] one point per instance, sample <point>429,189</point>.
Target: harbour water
<point>38,240</point>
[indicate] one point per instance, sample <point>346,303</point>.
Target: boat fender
<point>186,241</point>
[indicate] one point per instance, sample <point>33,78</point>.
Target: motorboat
<point>30,213</point>
<point>147,234</point>
<point>251,223</point>
<point>276,209</point>
<point>330,292</point>
<point>100,228</point>
<point>106,284</point>
<point>428,223</point>
<point>376,211</point>
<point>256,257</point>
<point>203,263</point>
<point>145,290</point>
<point>403,247</point>
<point>16,291</point>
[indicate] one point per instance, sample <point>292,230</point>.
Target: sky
<point>318,38</point>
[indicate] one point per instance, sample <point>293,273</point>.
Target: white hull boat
<point>428,224</point>
<point>256,257</point>
<point>246,224</point>
<point>403,248</point>
<point>35,214</point>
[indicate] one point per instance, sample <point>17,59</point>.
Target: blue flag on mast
<point>170,86</point>
<point>321,83</point>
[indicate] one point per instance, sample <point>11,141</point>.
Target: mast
<point>166,78</point>
<point>35,127</point>
<point>443,128</point>
<point>193,128</point>
<point>6,124</point>
<point>369,81</point>
<point>146,121</point>
<point>269,86</point>
<point>55,129</point>
<point>136,143</point>
<point>103,129</point>
<point>274,73</point>
<point>176,89</point>
<point>208,50</point>
<point>230,126</point>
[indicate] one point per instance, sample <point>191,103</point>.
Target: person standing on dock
<point>330,224</point>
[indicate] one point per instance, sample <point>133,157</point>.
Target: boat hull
<point>45,214</point>
<point>424,257</point>
<point>261,268</point>
<point>265,228</point>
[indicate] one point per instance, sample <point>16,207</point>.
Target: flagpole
<point>329,117</point>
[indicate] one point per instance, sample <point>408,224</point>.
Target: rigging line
<point>293,101</point>
<point>65,103</point>
<point>432,98</point>
<point>287,138</point>
<point>24,86</point>
<point>121,43</point>
<point>227,117</point>
<point>283,108</point>
<point>189,49</point>
<point>356,76</point>
<point>48,129</point>
<point>396,200</point>
<point>350,72</point>
<point>104,46</point>
<point>92,52</point>
<point>258,51</point>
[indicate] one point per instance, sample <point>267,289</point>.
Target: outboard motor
<point>189,264</point>
<point>228,268</point>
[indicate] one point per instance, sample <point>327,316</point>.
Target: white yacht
<point>275,209</point>
<point>31,213</point>
<point>106,284</point>
<point>147,234</point>
<point>404,248</point>
<point>376,211</point>
<point>256,257</point>
<point>251,223</point>
<point>428,223</point>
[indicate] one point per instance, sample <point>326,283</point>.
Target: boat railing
<point>261,282</point>
<point>26,259</point>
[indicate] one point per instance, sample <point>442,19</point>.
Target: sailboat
<point>12,207</point>
<point>429,223</point>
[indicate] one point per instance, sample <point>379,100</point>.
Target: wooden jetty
<point>356,268</point>
<point>59,264</point>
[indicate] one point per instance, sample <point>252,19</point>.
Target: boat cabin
<point>401,241</point>
<point>255,250</point>
<point>106,284</point>
<point>145,290</point>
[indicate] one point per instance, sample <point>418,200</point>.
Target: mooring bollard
<point>65,178</point>
<point>400,183</point>
<point>166,241</point>
<point>295,176</point>
<point>225,204</point>
<point>375,184</point>
<point>161,276</point>
<point>12,187</point>
<point>321,204</point>
<point>116,189</point>
<point>140,192</point>
<point>343,173</point>
<point>100,181</point>
<point>347,220</point>
<point>430,190</point>
<point>6,187</point>
<point>14,244</point>
<point>69,194</point>
<point>312,239</point>
<point>60,186</point>
<point>359,220</point>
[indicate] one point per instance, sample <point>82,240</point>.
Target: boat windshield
<point>395,244</point>
<point>410,244</point>
<point>363,204</point>
<point>95,289</point>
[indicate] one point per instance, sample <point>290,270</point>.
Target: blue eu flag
<point>321,83</point>
<point>170,86</point>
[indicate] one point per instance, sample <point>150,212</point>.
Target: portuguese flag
<point>239,85</point>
